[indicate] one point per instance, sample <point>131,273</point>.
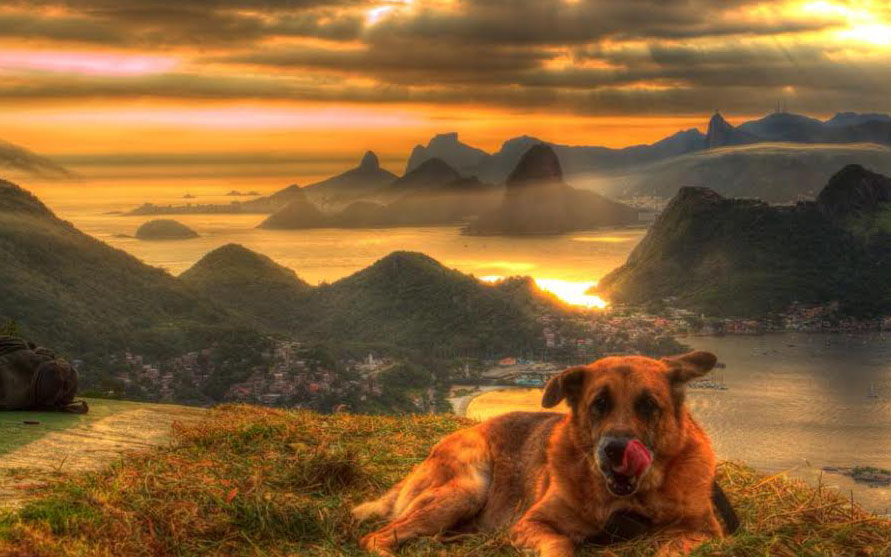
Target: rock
<point>854,189</point>
<point>165,229</point>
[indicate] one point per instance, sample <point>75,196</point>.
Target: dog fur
<point>542,474</point>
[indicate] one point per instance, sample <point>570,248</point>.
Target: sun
<point>574,293</point>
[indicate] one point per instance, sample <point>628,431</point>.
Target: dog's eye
<point>601,404</point>
<point>646,406</point>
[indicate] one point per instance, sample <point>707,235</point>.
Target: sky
<point>299,89</point>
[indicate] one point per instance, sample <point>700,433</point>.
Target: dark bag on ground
<point>33,378</point>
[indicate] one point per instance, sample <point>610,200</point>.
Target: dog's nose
<point>612,450</point>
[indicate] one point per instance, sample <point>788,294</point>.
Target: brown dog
<point>629,445</point>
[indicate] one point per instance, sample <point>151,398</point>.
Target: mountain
<point>446,147</point>
<point>743,257</point>
<point>854,191</point>
<point>261,205</point>
<point>18,159</point>
<point>432,194</point>
<point>300,212</point>
<point>410,300</point>
<point>773,172</point>
<point>357,182</point>
<point>537,201</point>
<point>842,119</point>
<point>589,166</point>
<point>720,133</point>
<point>81,296</point>
<point>251,284</point>
<point>427,175</point>
<point>165,229</point>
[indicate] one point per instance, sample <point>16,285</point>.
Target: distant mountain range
<point>738,257</point>
<point>782,157</point>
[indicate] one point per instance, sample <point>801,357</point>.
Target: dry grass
<point>255,481</point>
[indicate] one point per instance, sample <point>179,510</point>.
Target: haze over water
<point>566,264</point>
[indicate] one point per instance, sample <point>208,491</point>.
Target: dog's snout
<point>612,449</point>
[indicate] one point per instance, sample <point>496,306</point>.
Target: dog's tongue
<point>636,459</point>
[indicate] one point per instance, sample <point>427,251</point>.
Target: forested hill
<point>81,296</point>
<point>747,258</point>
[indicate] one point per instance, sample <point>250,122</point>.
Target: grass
<point>257,481</point>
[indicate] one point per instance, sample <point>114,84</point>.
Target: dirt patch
<point>88,445</point>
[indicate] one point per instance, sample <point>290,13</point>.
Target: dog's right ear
<point>567,385</point>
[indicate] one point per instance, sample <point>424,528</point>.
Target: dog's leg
<point>684,538</point>
<point>379,508</point>
<point>536,529</point>
<point>433,511</point>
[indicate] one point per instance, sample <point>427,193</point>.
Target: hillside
<point>249,480</point>
<point>741,257</point>
<point>772,172</point>
<point>251,284</point>
<point>537,201</point>
<point>77,294</point>
<point>411,300</point>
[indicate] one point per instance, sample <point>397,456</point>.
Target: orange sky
<point>115,89</point>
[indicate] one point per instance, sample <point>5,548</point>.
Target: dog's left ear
<point>566,385</point>
<point>689,366</point>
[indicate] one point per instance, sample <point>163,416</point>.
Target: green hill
<point>68,290</point>
<point>255,481</point>
<point>747,258</point>
<point>251,284</point>
<point>411,300</point>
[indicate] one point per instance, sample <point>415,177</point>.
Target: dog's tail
<point>725,509</point>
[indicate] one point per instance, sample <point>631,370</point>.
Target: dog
<point>628,447</point>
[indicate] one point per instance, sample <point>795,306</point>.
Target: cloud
<point>586,56</point>
<point>13,157</point>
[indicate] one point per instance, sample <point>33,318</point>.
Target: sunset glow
<point>571,292</point>
<point>329,81</point>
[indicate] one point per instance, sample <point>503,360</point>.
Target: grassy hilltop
<point>250,480</point>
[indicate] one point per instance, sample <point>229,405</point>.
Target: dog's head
<point>627,411</point>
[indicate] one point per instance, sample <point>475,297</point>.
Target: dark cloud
<point>77,29</point>
<point>13,157</point>
<point>588,56</point>
<point>561,22</point>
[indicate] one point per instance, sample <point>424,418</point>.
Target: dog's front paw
<point>681,545</point>
<point>379,544</point>
<point>365,511</point>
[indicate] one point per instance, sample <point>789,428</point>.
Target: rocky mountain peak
<point>538,164</point>
<point>719,131</point>
<point>369,162</point>
<point>443,139</point>
<point>854,189</point>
